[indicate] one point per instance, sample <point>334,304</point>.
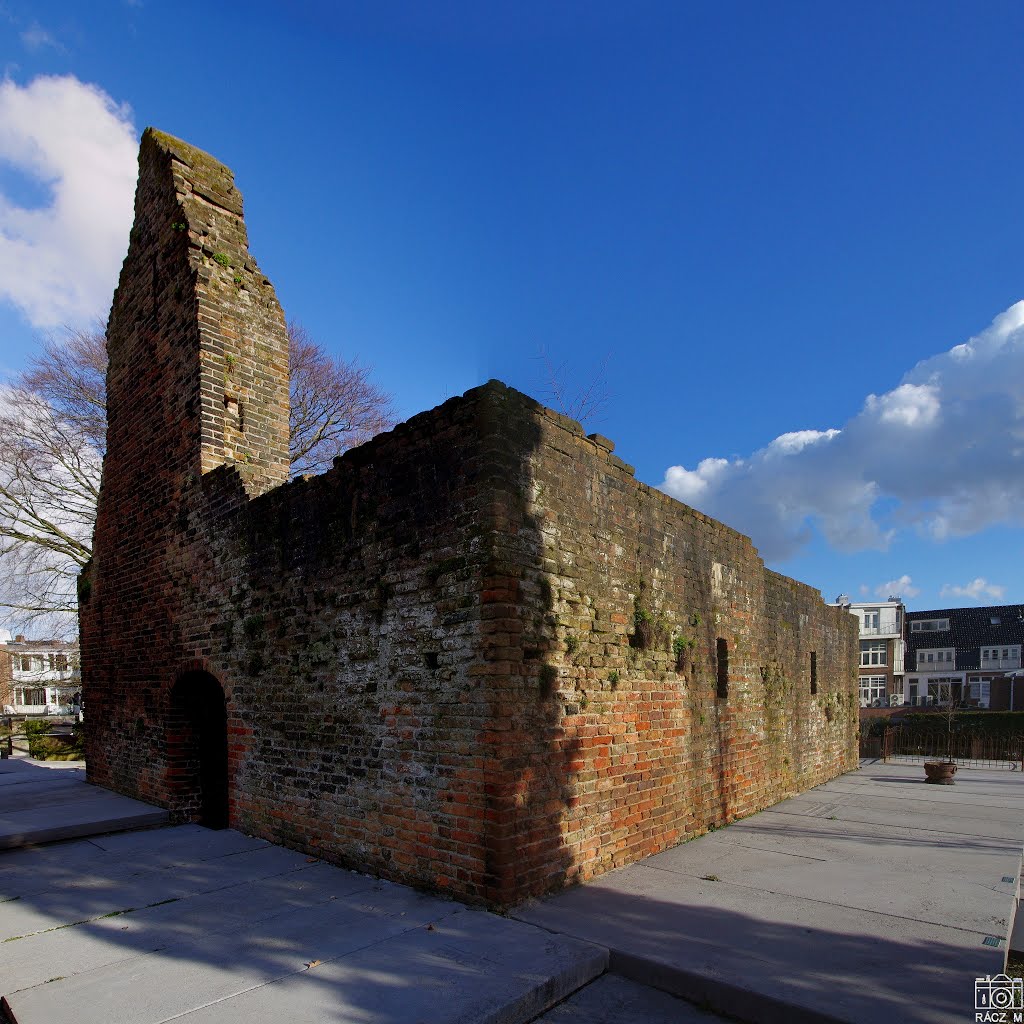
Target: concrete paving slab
<point>210,968</point>
<point>887,846</point>
<point>43,804</point>
<point>82,818</point>
<point>805,915</point>
<point>616,1000</point>
<point>187,842</point>
<point>24,789</point>
<point>913,891</point>
<point>926,819</point>
<point>92,897</point>
<point>470,966</point>
<point>104,941</point>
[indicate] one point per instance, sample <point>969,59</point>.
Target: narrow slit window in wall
<point>722,652</point>
<point>814,672</point>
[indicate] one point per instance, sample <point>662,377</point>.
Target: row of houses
<point>968,655</point>
<point>39,677</point>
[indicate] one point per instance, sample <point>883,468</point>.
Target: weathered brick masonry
<point>477,655</point>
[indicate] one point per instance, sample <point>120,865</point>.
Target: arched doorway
<point>198,749</point>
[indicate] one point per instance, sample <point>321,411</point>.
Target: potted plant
<point>941,773</point>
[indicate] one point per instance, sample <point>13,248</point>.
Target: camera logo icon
<point>999,992</point>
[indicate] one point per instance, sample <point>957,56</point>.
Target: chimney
<point>20,638</point>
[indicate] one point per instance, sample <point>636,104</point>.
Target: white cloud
<point>59,263</point>
<point>35,37</point>
<point>977,590</point>
<point>903,587</point>
<point>909,405</point>
<point>942,453</point>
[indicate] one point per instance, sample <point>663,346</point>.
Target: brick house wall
<point>477,656</point>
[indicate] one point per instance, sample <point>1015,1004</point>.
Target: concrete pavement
<point>45,801</point>
<point>184,923</point>
<point>871,898</point>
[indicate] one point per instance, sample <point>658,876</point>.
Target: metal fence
<point>913,745</point>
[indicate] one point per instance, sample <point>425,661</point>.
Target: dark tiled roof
<point>970,629</point>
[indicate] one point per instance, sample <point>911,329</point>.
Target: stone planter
<point>940,772</point>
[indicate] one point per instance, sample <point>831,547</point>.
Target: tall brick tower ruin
<point>197,380</point>
<point>477,655</point>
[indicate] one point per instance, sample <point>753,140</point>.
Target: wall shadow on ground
<point>259,926</point>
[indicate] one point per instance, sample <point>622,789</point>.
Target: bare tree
<point>583,399</point>
<point>49,483</point>
<point>334,405</point>
<point>52,440</point>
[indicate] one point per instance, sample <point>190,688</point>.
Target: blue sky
<point>755,217</point>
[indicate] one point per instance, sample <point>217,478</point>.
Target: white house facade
<point>40,677</point>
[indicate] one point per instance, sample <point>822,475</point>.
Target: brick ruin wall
<point>476,656</point>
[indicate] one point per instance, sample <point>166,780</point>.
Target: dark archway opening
<point>198,742</point>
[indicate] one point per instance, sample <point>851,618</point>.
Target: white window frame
<point>943,689</point>
<point>942,657</point>
<point>981,691</point>
<point>874,653</point>
<point>1001,657</point>
<point>872,688</point>
<point>929,626</point>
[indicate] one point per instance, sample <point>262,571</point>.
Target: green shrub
<point>981,723</point>
<point>44,747</point>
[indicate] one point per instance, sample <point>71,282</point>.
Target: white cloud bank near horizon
<point>902,587</point>
<point>59,261</point>
<point>944,450</point>
<point>977,590</point>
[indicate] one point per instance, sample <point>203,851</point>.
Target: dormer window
<point>929,625</point>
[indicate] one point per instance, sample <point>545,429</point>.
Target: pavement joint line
<point>160,903</point>
<point>761,849</point>
<point>238,853</point>
<point>827,903</point>
<point>901,828</point>
<point>157,873</point>
<point>948,798</point>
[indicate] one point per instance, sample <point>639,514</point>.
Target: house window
<point>26,663</point>
<point>62,662</point>
<point>814,672</point>
<point>939,657</point>
<point>995,620</point>
<point>929,625</point>
<point>980,691</point>
<point>30,697</point>
<point>871,620</point>
<point>872,691</point>
<point>872,652</point>
<point>944,689</point>
<point>1000,657</point>
<point>913,691</point>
